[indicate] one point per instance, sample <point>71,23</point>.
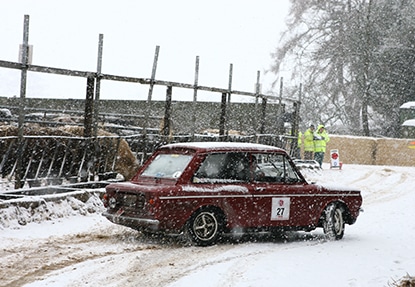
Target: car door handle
<point>260,188</point>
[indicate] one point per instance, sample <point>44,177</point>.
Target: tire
<point>205,227</point>
<point>334,223</point>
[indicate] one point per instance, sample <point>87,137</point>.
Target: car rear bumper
<point>133,222</point>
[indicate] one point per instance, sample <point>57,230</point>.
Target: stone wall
<point>241,116</point>
<point>372,151</point>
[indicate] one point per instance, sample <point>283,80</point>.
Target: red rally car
<point>205,189</point>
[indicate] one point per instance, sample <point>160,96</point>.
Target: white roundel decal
<point>280,208</point>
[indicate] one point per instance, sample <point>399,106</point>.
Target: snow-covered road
<point>91,251</point>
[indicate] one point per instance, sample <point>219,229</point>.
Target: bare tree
<point>344,52</point>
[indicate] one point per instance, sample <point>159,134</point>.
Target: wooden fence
<point>145,141</point>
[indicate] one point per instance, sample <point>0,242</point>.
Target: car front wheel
<point>334,222</point>
<point>205,227</point>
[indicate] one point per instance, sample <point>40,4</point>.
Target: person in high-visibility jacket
<point>309,143</point>
<point>321,138</point>
<point>297,154</point>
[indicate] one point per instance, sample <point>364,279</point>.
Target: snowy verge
<point>28,209</point>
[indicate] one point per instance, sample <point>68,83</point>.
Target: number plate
<point>280,208</point>
<point>129,200</point>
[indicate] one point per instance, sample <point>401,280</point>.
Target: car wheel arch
<point>340,203</point>
<point>335,213</point>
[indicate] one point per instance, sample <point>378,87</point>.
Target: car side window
<point>273,168</point>
<point>268,167</point>
<point>290,174</point>
<point>223,167</point>
<point>210,168</point>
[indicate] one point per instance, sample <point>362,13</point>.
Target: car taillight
<point>109,201</point>
<point>105,200</point>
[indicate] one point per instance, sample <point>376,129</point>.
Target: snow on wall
<point>25,210</point>
<point>409,123</point>
<point>408,105</point>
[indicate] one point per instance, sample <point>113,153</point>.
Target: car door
<point>224,178</point>
<point>280,196</point>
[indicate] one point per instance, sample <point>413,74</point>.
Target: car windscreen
<point>167,165</point>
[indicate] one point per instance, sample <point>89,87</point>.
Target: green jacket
<point>321,138</point>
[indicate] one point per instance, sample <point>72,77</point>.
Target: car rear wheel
<point>205,227</point>
<point>334,222</point>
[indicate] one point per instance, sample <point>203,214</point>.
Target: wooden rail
<point>94,78</point>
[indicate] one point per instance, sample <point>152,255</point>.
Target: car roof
<point>222,146</point>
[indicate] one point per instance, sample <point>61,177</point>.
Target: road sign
<point>335,159</point>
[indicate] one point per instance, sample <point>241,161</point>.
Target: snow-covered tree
<point>356,60</point>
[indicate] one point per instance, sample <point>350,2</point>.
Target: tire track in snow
<point>388,188</point>
<point>230,255</point>
<point>25,262</point>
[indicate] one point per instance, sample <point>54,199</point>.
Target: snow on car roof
<point>222,145</point>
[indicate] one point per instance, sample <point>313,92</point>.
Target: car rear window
<point>167,165</point>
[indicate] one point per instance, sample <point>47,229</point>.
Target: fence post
<point>148,106</point>
<point>263,115</point>
<point>167,114</point>
<point>296,121</point>
<point>96,148</point>
<point>22,103</point>
<point>88,120</point>
<point>257,114</point>
<point>280,114</point>
<point>228,108</point>
<point>222,120</point>
<point>98,83</point>
<point>89,107</point>
<point>195,99</point>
